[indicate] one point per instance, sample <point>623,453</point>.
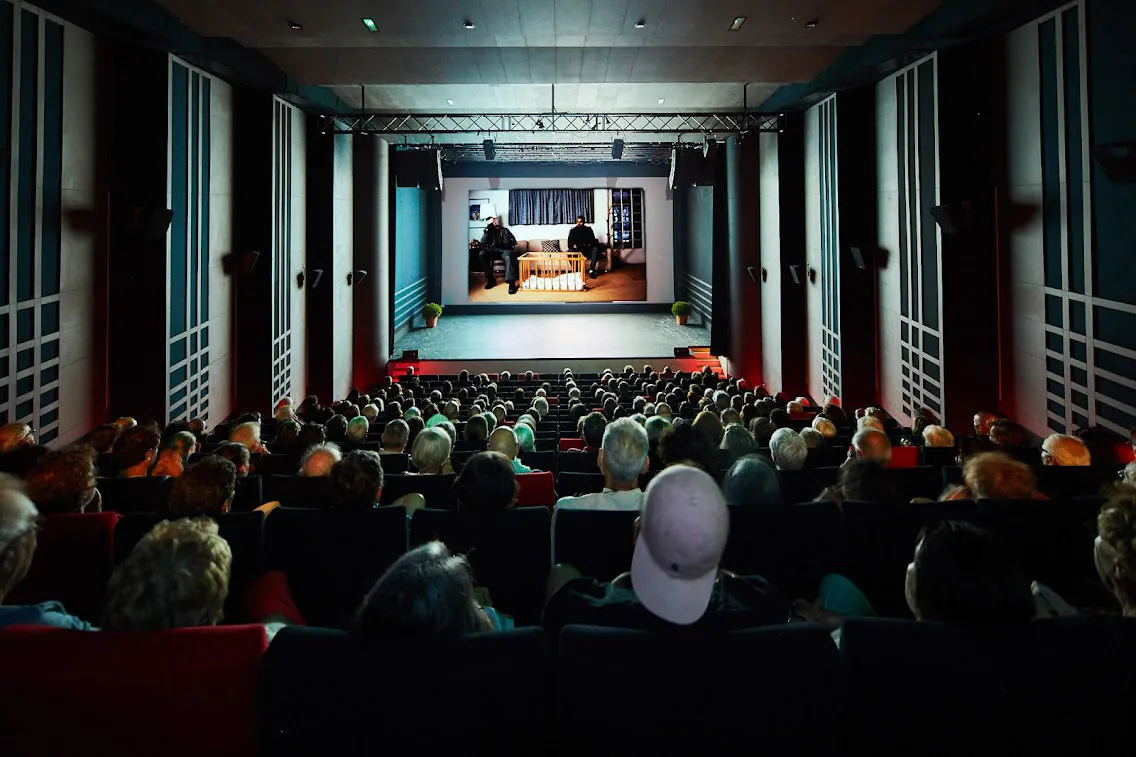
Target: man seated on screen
<point>582,239</point>
<point>499,242</point>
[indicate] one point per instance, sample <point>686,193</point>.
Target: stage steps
<point>702,358</point>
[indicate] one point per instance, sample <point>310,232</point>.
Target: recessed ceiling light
<point>449,102</point>
<point>641,24</point>
<point>737,23</point>
<point>811,24</point>
<point>371,25</point>
<point>295,27</point>
<point>662,100</point>
<point>469,24</point>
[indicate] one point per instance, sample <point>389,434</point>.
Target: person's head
<point>996,475</point>
<point>982,421</point>
<point>683,527</point>
<point>682,443</point>
<point>656,426</point>
<point>137,447</point>
<point>395,435</point>
<point>1008,435</point>
<point>867,481</point>
<point>337,427</point>
<point>476,429</point>
<point>788,449</point>
<point>486,484</point>
<point>710,425</point>
<point>824,427</point>
<point>869,421</point>
<point>504,440</point>
<point>177,576</point>
<point>452,409</point>
<point>101,439</point>
<point>494,222</point>
<point>526,439</point>
<point>813,438</point>
<point>15,435</point>
<point>729,415</point>
<point>872,445</point>
<point>431,450</point>
<point>623,455</point>
<point>371,412</point>
<point>593,428</point>
<point>237,454</point>
<point>737,440</point>
<point>835,413</point>
<point>540,404</point>
<point>63,481</point>
<point>794,407</point>
<point>762,430</point>
<point>247,434</point>
<point>937,436</point>
<point>961,574</point>
<point>664,409</point>
<point>357,429</point>
<point>426,593</point>
<point>357,481</point>
<point>1128,475</point>
<point>752,480</point>
<point>19,521</point>
<point>579,220</point>
<point>319,459</point>
<point>1114,551</point>
<point>1064,450</point>
<point>206,488</point>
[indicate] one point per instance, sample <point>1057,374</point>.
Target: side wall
<point>770,213</point>
<point>813,252</point>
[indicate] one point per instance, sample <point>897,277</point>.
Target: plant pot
<point>681,319</point>
<point>431,322</point>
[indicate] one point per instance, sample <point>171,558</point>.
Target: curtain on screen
<point>547,207</point>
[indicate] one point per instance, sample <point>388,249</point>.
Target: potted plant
<point>431,311</point>
<point>681,311</point>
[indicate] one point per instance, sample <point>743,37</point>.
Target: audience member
<point>863,481</point>
<point>136,450</point>
<point>394,437</point>
<point>248,434</point>
<point>871,445</point>
<point>64,481</point>
<point>622,459</point>
<point>14,436</point>
<point>788,449</point>
<point>825,426</point>
<point>206,488</point>
<point>1065,451</point>
<point>752,480</point>
<point>982,422</point>
<point>486,484</point>
<point>319,459</point>
<point>995,475</point>
<point>431,452</point>
<point>1114,550</point>
<point>682,443</point>
<point>476,429</point>
<point>237,454</point>
<point>177,576</point>
<point>357,429</point>
<point>504,440</point>
<point>357,481</point>
<point>101,439</point>
<point>813,439</point>
<point>526,439</point>
<point>937,436</point>
<point>592,429</point>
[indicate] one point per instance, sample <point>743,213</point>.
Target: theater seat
<point>570,443</point>
<point>543,461</point>
<point>1040,687</point>
<point>577,484</point>
<point>437,489</point>
<point>186,692</point>
<point>578,462</point>
<point>598,542</point>
<point>133,495</point>
<point>297,491</point>
<point>536,490</point>
<point>904,457</point>
<point>330,693</point>
<point>773,690</point>
<point>73,560</point>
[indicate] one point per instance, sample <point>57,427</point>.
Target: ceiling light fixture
<point>662,100</point>
<point>372,27</point>
<point>295,27</point>
<point>641,23</point>
<point>811,24</point>
<point>737,23</point>
<point>469,24</point>
<point>449,102</point>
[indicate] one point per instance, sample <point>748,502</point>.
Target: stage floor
<point>521,337</point>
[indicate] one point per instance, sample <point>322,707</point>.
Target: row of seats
<point>894,687</point>
<point>331,559</point>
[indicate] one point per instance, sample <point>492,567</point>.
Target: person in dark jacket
<point>499,242</point>
<point>582,239</point>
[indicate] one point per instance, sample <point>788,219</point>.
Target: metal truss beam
<point>576,123</point>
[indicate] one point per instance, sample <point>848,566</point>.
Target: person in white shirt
<point>622,459</point>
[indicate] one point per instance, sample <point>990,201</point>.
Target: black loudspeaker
<point>952,219</point>
<point>1118,161</point>
<point>682,352</point>
<point>490,150</point>
<point>617,149</point>
<point>795,272</point>
<point>689,168</point>
<point>858,258</point>
<point>410,356</point>
<point>419,168</point>
<point>152,223</point>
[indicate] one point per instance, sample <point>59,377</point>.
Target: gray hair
<point>752,480</point>
<point>872,445</point>
<point>825,427</point>
<point>246,434</point>
<point>937,436</point>
<point>788,449</point>
<point>737,440</point>
<point>1130,473</point>
<point>625,450</point>
<point>540,404</point>
<point>640,419</point>
<point>318,459</point>
<point>18,516</point>
<point>370,412</point>
<point>431,450</point>
<point>357,429</point>
<point>664,409</point>
<point>656,426</point>
<point>813,438</point>
<point>870,422</point>
<point>396,433</point>
<point>794,407</point>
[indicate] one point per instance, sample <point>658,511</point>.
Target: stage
<point>578,337</point>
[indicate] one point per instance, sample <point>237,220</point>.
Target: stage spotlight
<point>616,149</point>
<point>490,150</point>
<point>709,148</point>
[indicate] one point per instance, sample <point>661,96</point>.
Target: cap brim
<point>681,601</point>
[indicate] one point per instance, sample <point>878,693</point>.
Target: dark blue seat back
<point>437,489</point>
<point>574,484</point>
<point>598,542</point>
<point>133,495</point>
<point>791,546</point>
<point>298,491</point>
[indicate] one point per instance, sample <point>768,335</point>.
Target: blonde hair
<point>824,426</point>
<point>996,475</point>
<point>431,450</point>
<point>247,434</point>
<point>177,576</point>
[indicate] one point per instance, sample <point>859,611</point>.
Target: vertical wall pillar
<point>372,300</point>
<point>744,260</point>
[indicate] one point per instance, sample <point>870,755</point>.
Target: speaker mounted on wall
<point>795,272</point>
<point>152,223</point>
<point>1117,160</point>
<point>952,219</point>
<point>859,259</point>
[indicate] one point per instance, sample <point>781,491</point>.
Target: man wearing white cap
<point>674,580</point>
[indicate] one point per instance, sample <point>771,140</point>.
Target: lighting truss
<point>576,123</point>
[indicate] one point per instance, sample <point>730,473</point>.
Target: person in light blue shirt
<point>19,521</point>
<point>504,440</point>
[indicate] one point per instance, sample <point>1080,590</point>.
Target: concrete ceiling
<point>590,49</point>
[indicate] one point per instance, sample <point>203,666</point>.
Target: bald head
<point>1064,450</point>
<point>982,421</point>
<point>15,435</point>
<point>872,445</point>
<point>319,459</point>
<point>503,440</point>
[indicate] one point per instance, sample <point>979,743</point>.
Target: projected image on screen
<point>557,245</point>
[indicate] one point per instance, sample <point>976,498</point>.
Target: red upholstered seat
<point>904,457</point>
<point>537,490</point>
<point>186,692</point>
<point>73,560</point>
<point>570,443</point>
